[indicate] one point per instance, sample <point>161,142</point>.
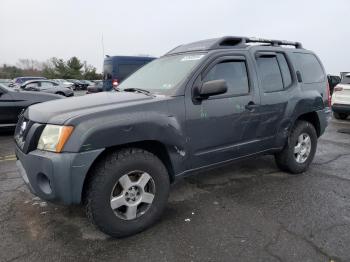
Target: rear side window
<point>270,74</point>
<point>235,75</point>
<point>310,68</point>
<point>286,76</point>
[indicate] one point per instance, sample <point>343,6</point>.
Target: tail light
<point>337,89</point>
<point>329,96</point>
<point>115,82</point>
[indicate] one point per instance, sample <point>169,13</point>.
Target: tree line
<point>73,68</point>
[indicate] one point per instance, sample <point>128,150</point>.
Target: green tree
<point>10,71</point>
<point>74,67</point>
<point>49,69</point>
<point>90,72</point>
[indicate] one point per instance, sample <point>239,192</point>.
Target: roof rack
<point>230,42</point>
<point>272,42</point>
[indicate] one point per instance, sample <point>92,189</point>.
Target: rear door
<point>107,74</point>
<point>276,88</point>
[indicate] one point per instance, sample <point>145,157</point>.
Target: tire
<point>60,93</point>
<point>296,163</point>
<point>106,178</point>
<point>341,116</point>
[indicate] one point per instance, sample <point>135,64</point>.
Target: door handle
<point>251,106</point>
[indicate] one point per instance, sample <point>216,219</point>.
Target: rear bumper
<point>55,177</point>
<point>341,108</point>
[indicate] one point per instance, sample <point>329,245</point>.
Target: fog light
<point>44,184</point>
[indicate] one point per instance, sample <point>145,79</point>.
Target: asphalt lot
<point>247,211</point>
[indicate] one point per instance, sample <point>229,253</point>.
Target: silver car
<point>46,86</point>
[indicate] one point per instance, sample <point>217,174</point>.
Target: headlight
<point>54,137</point>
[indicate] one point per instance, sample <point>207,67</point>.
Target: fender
<point>132,125</point>
<point>308,101</point>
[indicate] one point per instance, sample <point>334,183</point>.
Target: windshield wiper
<point>139,90</point>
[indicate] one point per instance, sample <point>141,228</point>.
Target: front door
<point>223,127</point>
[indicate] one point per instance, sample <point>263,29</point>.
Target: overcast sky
<point>40,29</point>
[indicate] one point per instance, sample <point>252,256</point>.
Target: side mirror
<point>212,88</point>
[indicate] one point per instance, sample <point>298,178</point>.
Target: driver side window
<point>32,86</point>
<point>234,73</point>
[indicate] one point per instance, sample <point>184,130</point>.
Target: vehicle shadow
<point>7,131</point>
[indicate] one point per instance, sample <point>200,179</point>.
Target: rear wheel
<point>299,150</point>
<point>127,192</point>
<point>340,116</point>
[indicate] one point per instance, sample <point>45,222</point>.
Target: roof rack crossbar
<point>273,42</point>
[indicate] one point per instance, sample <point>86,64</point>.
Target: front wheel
<point>60,93</point>
<point>300,149</point>
<point>127,192</point>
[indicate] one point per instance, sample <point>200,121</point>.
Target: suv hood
<point>60,111</point>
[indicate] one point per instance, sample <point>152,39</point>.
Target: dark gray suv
<point>201,105</point>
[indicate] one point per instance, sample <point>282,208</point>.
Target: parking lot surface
<point>246,211</point>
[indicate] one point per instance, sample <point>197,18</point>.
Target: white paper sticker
<point>192,57</point>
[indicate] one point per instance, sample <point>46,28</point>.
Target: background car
<point>87,83</point>
<point>118,68</point>
<point>20,80</point>
<point>64,82</point>
<point>77,84</point>
<point>13,101</point>
<point>341,98</point>
<point>96,87</point>
<point>333,80</point>
<point>47,86</point>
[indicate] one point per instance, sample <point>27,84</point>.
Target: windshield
<point>162,75</point>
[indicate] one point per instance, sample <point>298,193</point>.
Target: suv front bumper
<point>56,177</point>
<point>341,108</point>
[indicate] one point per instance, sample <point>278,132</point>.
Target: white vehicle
<point>341,98</point>
<point>64,83</point>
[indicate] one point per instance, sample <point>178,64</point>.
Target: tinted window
<point>286,76</point>
<point>310,69</point>
<point>235,75</point>
<point>126,70</point>
<point>270,74</point>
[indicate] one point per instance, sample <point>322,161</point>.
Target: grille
<point>21,132</point>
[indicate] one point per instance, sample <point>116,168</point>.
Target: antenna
<point>103,47</point>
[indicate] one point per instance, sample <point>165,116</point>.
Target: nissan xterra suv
<point>199,106</point>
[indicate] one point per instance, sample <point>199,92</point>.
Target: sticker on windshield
<point>191,57</point>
